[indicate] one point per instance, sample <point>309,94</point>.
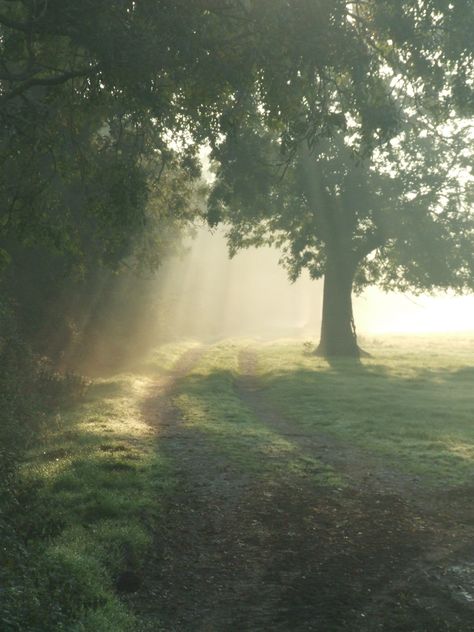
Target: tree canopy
<point>378,190</point>
<point>93,93</point>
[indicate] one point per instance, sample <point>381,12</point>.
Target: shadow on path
<point>264,549</point>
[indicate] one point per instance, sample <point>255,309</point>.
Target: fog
<point>210,296</point>
<point>378,313</point>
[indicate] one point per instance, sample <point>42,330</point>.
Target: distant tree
<point>400,217</point>
<point>313,170</point>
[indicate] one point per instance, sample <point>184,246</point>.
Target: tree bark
<point>338,334</point>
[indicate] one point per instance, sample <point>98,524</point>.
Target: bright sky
<point>378,312</point>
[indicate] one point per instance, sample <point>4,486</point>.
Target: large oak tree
<point>400,217</point>
<point>376,189</point>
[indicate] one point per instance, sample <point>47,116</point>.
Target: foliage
<point>83,116</point>
<point>103,106</point>
<point>29,388</point>
<point>96,96</point>
<point>354,166</point>
<point>30,394</point>
<point>400,217</point>
<point>98,320</point>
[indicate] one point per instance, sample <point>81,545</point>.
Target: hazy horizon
<point>212,295</point>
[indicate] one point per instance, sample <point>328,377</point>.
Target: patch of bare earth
<point>239,553</point>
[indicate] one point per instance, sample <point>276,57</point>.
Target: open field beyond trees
<point>253,486</point>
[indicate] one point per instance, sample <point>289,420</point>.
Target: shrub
<point>30,393</point>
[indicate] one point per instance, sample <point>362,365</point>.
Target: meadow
<point>215,486</point>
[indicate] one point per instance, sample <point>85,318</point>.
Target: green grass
<point>411,402</point>
<point>94,485</point>
<point>163,358</point>
<point>214,411</point>
<point>91,490</point>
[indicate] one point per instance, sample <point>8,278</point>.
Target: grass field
<point>209,404</point>
<point>412,401</point>
<point>96,484</point>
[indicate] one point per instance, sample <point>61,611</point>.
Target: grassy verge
<point>411,402</point>
<point>163,358</point>
<point>89,495</point>
<point>213,409</point>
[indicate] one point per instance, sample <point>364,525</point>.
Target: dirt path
<point>448,517</point>
<point>238,553</point>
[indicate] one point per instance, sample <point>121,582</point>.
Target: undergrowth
<point>81,518</point>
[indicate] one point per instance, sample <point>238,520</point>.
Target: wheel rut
<point>238,552</point>
<point>442,516</point>
<point>362,470</point>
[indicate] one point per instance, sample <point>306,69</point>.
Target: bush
<point>30,393</point>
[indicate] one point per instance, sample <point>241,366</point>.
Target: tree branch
<point>47,81</point>
<point>373,241</point>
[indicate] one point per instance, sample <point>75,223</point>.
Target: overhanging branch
<point>46,81</point>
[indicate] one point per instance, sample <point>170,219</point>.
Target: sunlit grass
<point>93,471</point>
<point>99,476</point>
<point>412,401</point>
<point>162,359</point>
<point>213,409</point>
<point>96,474</point>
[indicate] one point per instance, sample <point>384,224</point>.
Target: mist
<point>211,296</point>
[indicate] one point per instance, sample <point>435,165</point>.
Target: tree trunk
<point>338,335</point>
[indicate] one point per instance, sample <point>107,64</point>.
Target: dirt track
<point>233,554</point>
